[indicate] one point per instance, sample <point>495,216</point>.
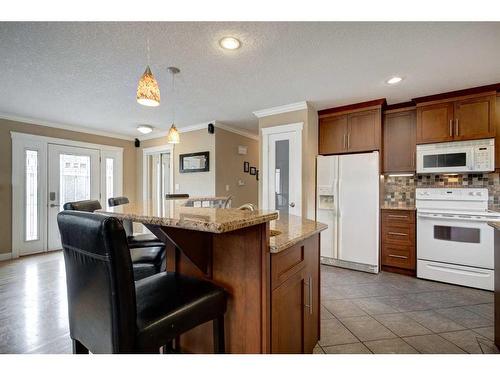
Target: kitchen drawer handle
<point>398,216</point>
<point>398,256</point>
<point>397,234</point>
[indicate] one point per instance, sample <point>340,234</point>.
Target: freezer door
<point>359,208</point>
<point>326,200</point>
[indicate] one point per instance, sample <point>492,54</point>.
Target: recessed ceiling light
<point>229,42</point>
<point>394,80</point>
<point>145,129</point>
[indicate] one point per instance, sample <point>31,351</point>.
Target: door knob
<point>292,204</point>
<point>54,205</point>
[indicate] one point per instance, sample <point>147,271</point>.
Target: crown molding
<point>237,131</point>
<point>56,125</point>
<point>281,109</point>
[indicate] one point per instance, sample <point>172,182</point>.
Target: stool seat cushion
<point>168,303</point>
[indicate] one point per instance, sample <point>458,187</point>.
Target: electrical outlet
<point>227,187</point>
<point>177,187</point>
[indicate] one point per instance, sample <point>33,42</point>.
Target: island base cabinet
<point>295,298</point>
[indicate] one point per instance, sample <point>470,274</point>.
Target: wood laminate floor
<point>361,313</point>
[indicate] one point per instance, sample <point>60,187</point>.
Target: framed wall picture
<point>253,171</point>
<point>195,162</point>
<point>246,166</point>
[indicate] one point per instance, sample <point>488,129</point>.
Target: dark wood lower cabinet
<point>398,241</point>
<point>295,298</point>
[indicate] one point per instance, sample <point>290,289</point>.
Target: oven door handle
<point>457,217</point>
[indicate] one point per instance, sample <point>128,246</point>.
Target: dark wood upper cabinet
<point>475,118</point>
<point>467,118</point>
<point>333,135</point>
<point>354,128</point>
<point>399,139</point>
<point>363,132</point>
<point>435,123</point>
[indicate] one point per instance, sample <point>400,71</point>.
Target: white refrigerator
<point>348,201</point>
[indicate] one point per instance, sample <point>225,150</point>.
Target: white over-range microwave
<point>457,157</point>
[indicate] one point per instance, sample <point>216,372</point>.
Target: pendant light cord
<point>148,52</point>
<point>173,98</point>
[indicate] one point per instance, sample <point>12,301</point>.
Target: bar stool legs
<point>219,342</point>
<point>79,348</point>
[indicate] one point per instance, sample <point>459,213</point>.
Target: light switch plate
<point>176,187</point>
<point>242,150</point>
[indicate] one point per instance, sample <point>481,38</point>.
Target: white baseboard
<point>6,256</point>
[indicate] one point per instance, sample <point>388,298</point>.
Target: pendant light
<point>173,134</point>
<point>148,92</point>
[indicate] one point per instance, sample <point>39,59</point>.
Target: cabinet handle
<point>348,140</point>
<point>397,256</point>
<point>397,234</point>
<point>456,127</point>
<point>413,159</point>
<point>451,128</point>
<point>398,216</point>
<point>310,290</point>
<point>345,140</point>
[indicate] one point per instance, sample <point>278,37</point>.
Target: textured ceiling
<point>85,74</point>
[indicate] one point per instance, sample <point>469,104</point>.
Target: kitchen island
<point>269,269</point>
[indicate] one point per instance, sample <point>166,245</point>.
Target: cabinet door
<point>399,141</point>
<point>333,135</point>
<point>435,123</point>
<point>312,294</point>
<point>475,118</point>
<point>288,315</point>
<point>363,132</point>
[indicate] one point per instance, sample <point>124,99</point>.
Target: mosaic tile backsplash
<point>400,190</point>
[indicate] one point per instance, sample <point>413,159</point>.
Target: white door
<point>73,175</point>
<point>358,191</point>
<point>282,170</point>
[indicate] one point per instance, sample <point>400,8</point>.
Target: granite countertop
<point>397,207</point>
<point>175,214</point>
<point>288,230</point>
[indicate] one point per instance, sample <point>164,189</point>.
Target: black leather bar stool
<point>146,261</point>
<point>108,312</point>
<point>147,251</point>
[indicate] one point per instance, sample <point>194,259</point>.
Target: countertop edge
<point>274,249</point>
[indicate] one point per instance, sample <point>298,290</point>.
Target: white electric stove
<point>454,241</point>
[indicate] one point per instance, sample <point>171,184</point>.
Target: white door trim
<point>266,132</point>
<point>155,150</point>
<point>23,141</point>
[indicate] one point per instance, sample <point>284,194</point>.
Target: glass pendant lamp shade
<point>148,92</point>
<point>173,135</point>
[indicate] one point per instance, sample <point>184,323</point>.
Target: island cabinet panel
<point>295,298</point>
<point>460,119</point>
<point>399,139</point>
<point>350,129</point>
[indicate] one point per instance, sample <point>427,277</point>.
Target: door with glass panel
<point>73,175</point>
<point>284,178</point>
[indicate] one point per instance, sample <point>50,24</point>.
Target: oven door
<point>445,160</point>
<point>456,239</point>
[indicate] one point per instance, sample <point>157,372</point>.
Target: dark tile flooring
<point>361,313</point>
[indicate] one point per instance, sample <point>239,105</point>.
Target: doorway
<point>48,172</point>
<point>282,169</point>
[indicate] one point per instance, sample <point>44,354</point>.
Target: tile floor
<point>390,313</point>
<point>361,313</point>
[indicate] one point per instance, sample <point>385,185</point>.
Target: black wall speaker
<point>137,143</point>
<point>211,128</point>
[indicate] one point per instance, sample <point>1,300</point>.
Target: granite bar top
<point>397,207</point>
<point>288,230</point>
<point>175,214</point>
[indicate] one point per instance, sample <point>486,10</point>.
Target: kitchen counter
<point>288,230</point>
<point>494,224</point>
<point>175,214</point>
<point>395,207</point>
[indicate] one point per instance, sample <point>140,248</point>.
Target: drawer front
<point>398,256</point>
<point>398,217</point>
<point>399,235</point>
<point>286,263</point>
